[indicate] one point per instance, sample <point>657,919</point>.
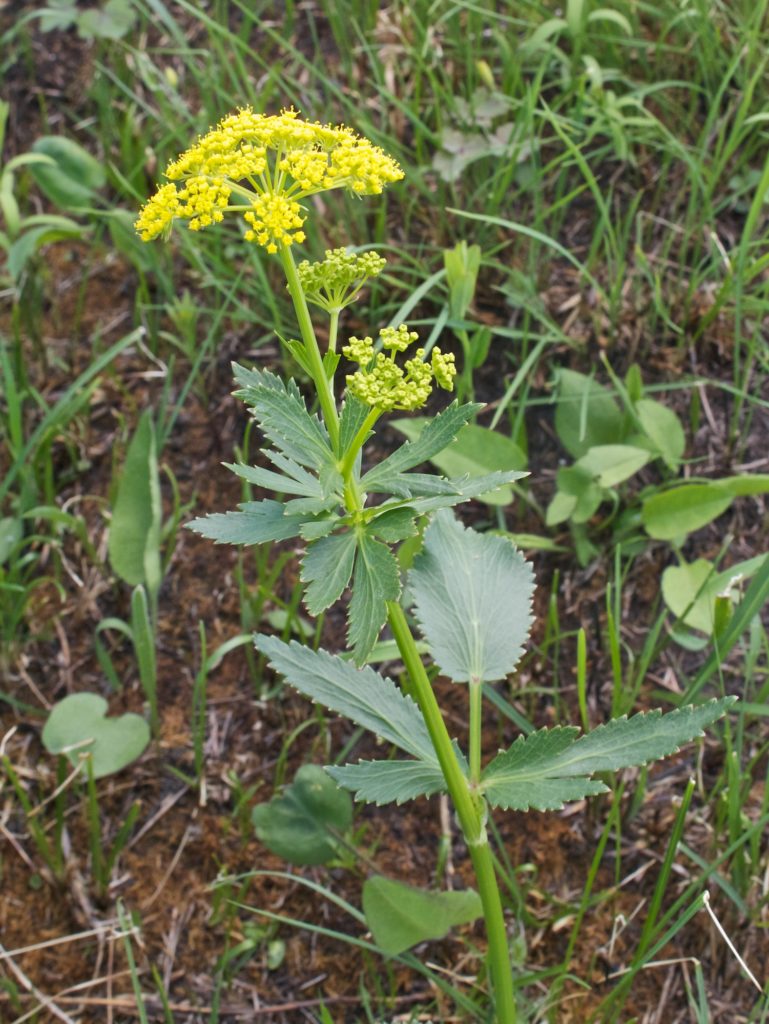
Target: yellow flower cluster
<point>233,160</point>
<point>334,282</point>
<point>275,220</point>
<point>383,384</point>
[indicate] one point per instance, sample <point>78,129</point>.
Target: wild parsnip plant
<point>470,593</point>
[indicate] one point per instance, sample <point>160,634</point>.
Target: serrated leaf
<point>327,567</point>
<point>463,489</point>
<point>645,737</point>
<point>473,597</point>
<point>361,694</point>
<point>394,525</point>
<point>400,916</point>
<point>376,581</point>
<point>438,433</point>
<point>550,767</point>
<point>476,452</point>
<point>351,419</point>
<point>282,415</point>
<point>257,522</point>
<point>382,782</point>
<point>278,482</point>
<point>300,823</point>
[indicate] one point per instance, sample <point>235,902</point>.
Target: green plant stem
<point>471,813</point>
<point>322,383</point>
<point>476,698</point>
<point>333,328</point>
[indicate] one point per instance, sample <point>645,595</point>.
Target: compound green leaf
<point>360,694</point>
<point>327,567</point>
<point>282,415</point>
<point>550,767</point>
<point>300,824</point>
<point>382,782</point>
<point>473,596</point>
<point>436,435</point>
<point>477,451</point>
<point>257,522</point>
<point>376,581</point>
<point>400,916</point>
<point>78,725</point>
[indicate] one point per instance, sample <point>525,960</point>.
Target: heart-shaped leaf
<point>78,724</point>
<point>300,824</point>
<point>400,916</point>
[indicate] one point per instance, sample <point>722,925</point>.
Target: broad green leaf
<point>578,483</point>
<point>327,567</point>
<point>78,725</point>
<point>360,694</point>
<point>664,430</point>
<point>114,20</point>
<point>561,507</point>
<point>134,533</point>
<point>669,515</point>
<point>375,582</point>
<point>610,464</point>
<point>437,435</point>
<point>690,589</point>
<point>11,532</point>
<point>400,916</point>
<point>473,596</point>
<point>257,522</point>
<point>299,824</point>
<point>382,782</point>
<point>550,767</point>
<point>58,15</point>
<point>586,414</point>
<point>282,415</point>
<point>476,452</point>
<point>77,177</point>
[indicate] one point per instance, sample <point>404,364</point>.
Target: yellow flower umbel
<point>262,166</point>
<point>383,384</point>
<point>334,282</point>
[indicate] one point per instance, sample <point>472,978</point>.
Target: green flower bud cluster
<point>383,384</point>
<point>334,282</point>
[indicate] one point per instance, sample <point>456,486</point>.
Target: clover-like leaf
<point>78,725</point>
<point>300,824</point>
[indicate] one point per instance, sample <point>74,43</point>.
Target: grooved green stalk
<point>325,393</point>
<point>471,814</point>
